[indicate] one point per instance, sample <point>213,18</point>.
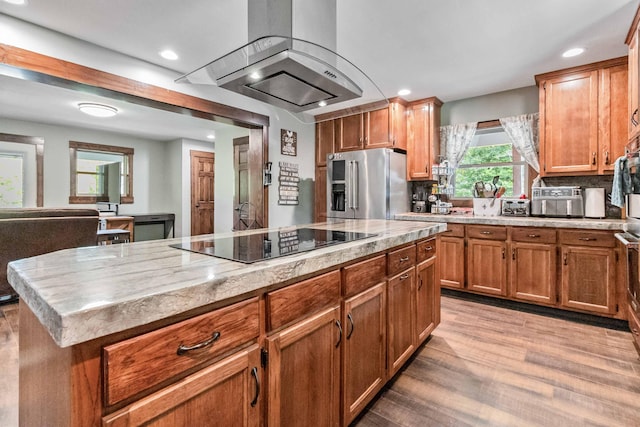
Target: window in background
<point>11,180</point>
<point>491,154</point>
<point>88,181</point>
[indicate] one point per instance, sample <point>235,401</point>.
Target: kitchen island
<point>132,333</point>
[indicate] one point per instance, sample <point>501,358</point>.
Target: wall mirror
<point>34,97</point>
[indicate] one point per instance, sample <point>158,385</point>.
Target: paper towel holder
<point>594,202</point>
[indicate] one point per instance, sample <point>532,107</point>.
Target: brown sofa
<point>35,231</point>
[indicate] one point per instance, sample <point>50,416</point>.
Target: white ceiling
<point>452,49</point>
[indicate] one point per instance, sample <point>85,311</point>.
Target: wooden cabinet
<point>118,223</point>
<point>365,349</point>
<point>401,319</point>
<point>486,259</point>
<point>589,261</point>
<point>325,141</point>
<point>582,114</point>
<point>427,299</point>
<point>423,137</point>
<point>320,194</point>
<point>451,257</point>
<point>227,392</point>
<point>380,128</point>
<point>532,272</point>
<point>303,372</point>
<point>633,118</point>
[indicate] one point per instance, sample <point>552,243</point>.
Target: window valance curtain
<point>523,132</point>
<point>455,140</point>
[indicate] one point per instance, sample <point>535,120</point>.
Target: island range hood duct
<point>299,74</point>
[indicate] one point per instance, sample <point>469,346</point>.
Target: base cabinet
<point>532,267</point>
<point>365,349</point>
<point>427,299</point>
<point>303,372</point>
<point>401,324</point>
<point>451,257</point>
<point>227,392</point>
<point>487,266</point>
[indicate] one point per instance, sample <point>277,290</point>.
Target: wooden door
<point>418,143</point>
<point>227,392</point>
<point>202,192</point>
<point>569,124</point>
<point>401,319</point>
<point>320,202</point>
<point>532,274</point>
<point>304,372</point>
<point>487,266</point>
<point>588,279</point>
<point>427,299</point>
<point>349,133</point>
<point>365,350</point>
<point>613,105</point>
<point>376,129</point>
<point>325,141</point>
<point>451,259</point>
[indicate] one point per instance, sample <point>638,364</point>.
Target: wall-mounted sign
<point>288,142</point>
<point>288,184</point>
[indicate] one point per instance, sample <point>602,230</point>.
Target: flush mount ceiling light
<point>573,52</point>
<point>169,54</point>
<point>97,110</point>
<point>17,2</point>
<point>403,92</point>
<point>211,136</point>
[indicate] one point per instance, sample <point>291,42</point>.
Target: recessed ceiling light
<point>169,54</point>
<point>97,110</point>
<point>211,136</point>
<point>17,2</point>
<point>573,52</point>
<point>254,76</point>
<point>403,92</point>
<point>322,103</point>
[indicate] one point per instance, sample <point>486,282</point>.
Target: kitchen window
<point>491,154</point>
<point>11,180</point>
<point>90,164</point>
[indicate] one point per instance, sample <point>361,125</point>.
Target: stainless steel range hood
<point>290,61</point>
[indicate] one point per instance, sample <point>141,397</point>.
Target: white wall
<point>27,36</point>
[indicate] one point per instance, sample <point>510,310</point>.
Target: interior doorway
<point>202,192</point>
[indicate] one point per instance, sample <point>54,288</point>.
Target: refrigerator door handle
<point>355,194</point>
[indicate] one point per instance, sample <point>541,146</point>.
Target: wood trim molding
<point>623,60</point>
<point>39,146</point>
<point>633,27</point>
<point>28,65</point>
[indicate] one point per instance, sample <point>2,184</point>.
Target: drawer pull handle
<point>587,239</point>
<point>533,236</point>
<point>254,372</point>
<point>352,325</point>
<point>485,232</point>
<point>339,326</point>
<point>404,258</point>
<point>428,248</point>
<point>404,277</point>
<point>448,231</point>
<point>182,349</point>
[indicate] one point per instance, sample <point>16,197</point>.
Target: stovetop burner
<point>251,248</point>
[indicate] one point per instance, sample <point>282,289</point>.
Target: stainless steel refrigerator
<point>367,184</point>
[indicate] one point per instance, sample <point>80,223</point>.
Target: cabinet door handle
<point>504,253</point>
<point>606,157</point>
<point>254,372</point>
<point>513,254</point>
<point>404,259</point>
<point>182,349</point>
<point>485,232</point>
<point>634,121</point>
<point>419,282</point>
<point>352,325</point>
<point>564,258</point>
<point>593,158</point>
<point>339,326</point>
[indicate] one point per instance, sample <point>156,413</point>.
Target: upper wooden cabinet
<point>423,137</point>
<point>634,74</point>
<point>325,141</point>
<point>583,114</point>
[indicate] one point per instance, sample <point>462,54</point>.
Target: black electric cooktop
<point>251,248</point>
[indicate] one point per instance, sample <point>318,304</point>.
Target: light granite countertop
<point>86,293</point>
<point>523,221</point>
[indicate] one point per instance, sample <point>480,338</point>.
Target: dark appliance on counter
<point>250,248</point>
<point>562,202</point>
<point>367,184</point>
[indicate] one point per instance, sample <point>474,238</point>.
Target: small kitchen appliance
<point>561,202</point>
<point>516,207</point>
<point>367,184</point>
<point>594,202</point>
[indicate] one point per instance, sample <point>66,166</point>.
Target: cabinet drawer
<point>139,363</point>
<point>363,275</point>
<point>295,301</point>
<point>454,230</point>
<point>401,259</point>
<point>489,232</point>
<point>425,249</point>
<point>602,239</point>
<point>533,235</point>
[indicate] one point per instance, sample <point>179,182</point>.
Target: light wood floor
<point>483,366</point>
